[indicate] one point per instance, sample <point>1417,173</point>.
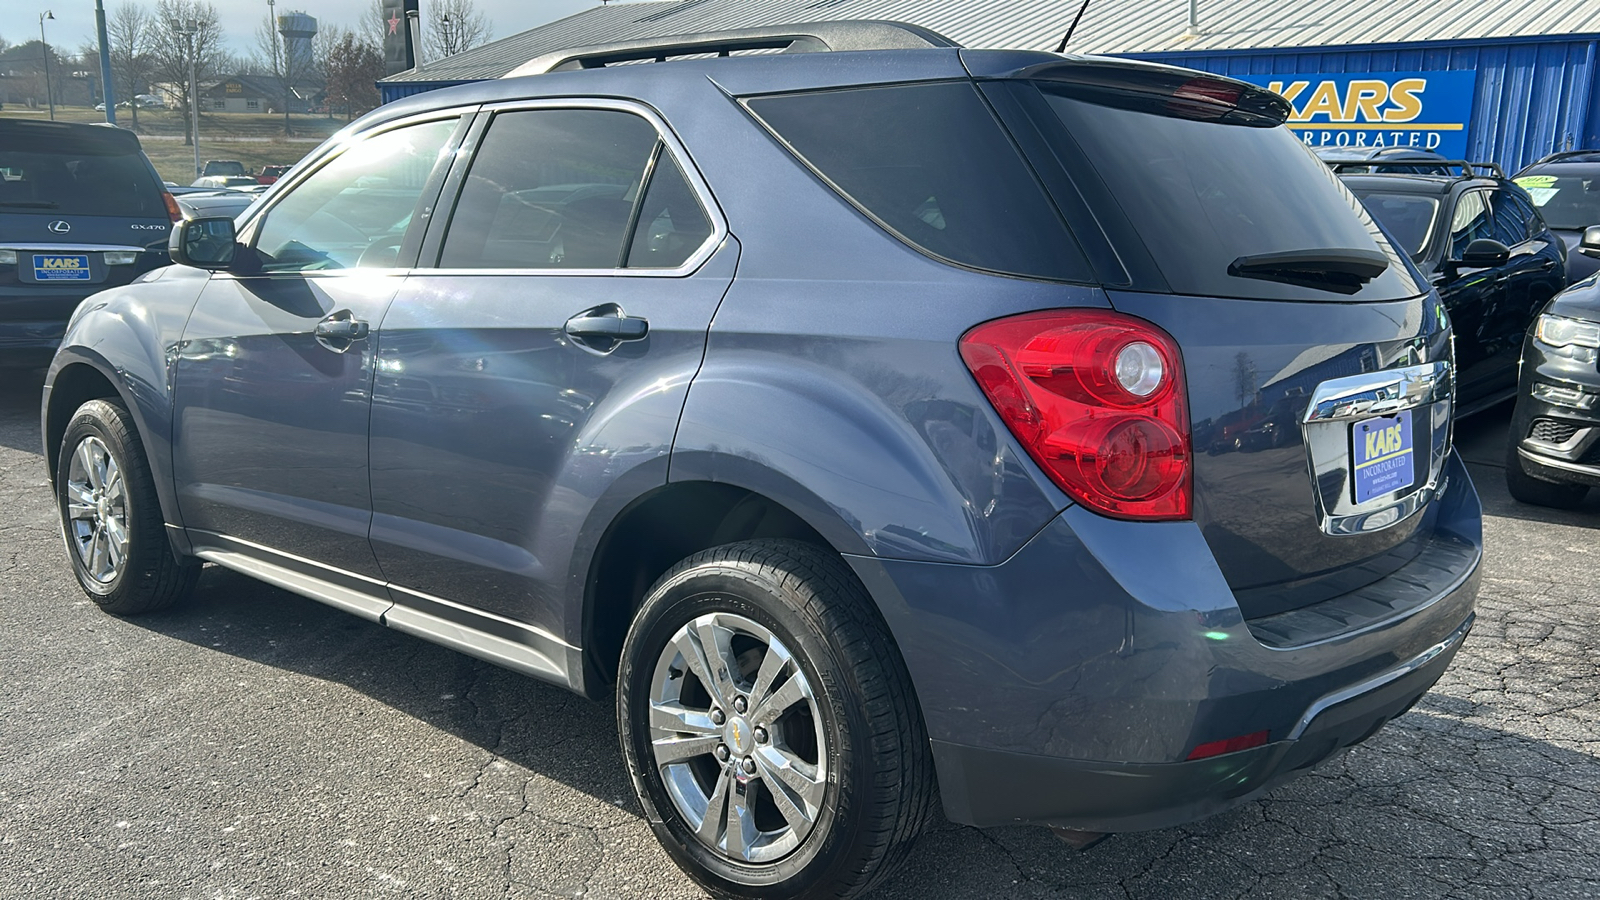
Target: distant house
<point>245,93</point>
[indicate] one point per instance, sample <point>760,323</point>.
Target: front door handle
<point>339,330</point>
<point>616,328</point>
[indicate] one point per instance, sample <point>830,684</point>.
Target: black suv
<point>1566,189</point>
<point>1358,160</point>
<point>1481,241</point>
<point>81,209</point>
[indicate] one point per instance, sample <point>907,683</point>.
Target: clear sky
<point>74,22</point>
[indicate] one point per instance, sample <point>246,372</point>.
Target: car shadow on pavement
<point>1463,796</point>
<point>19,404</point>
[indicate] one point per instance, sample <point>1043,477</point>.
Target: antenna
<point>1062,47</point>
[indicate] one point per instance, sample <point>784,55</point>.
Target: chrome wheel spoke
<point>772,665</point>
<point>719,659</point>
<point>794,775</point>
<point>113,488</point>
<point>710,830</point>
<point>80,501</point>
<point>97,551</point>
<point>116,541</point>
<point>741,831</point>
<point>795,690</point>
<point>671,750</point>
<point>688,647</point>
<point>86,461</point>
<point>668,718</point>
<point>798,818</point>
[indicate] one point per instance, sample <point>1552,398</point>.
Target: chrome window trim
<point>691,173</point>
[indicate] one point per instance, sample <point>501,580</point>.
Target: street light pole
<point>44,50</point>
<point>106,92</point>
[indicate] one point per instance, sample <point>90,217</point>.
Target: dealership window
<point>219,104</point>
<point>252,104</point>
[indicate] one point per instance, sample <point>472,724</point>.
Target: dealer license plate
<point>59,267</point>
<point>1383,457</point>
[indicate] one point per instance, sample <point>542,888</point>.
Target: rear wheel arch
<point>655,533</point>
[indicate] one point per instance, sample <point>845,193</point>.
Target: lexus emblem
<point>59,226</point>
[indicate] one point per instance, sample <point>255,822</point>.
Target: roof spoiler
<point>813,37</point>
<point>1161,90</point>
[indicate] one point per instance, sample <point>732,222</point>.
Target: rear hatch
<point>1317,359</point>
<point>80,208</point>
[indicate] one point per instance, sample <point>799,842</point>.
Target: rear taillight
<point>172,206</point>
<point>1097,399</point>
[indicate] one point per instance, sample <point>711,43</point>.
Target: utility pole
<point>44,50</point>
<point>106,93</point>
<point>188,30</point>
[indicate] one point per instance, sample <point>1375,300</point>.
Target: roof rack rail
<point>1569,154</point>
<point>810,37</point>
<point>1467,168</point>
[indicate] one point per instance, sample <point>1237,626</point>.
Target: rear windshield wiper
<point>1342,271</point>
<point>29,204</point>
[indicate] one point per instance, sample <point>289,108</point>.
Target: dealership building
<point>1503,82</point>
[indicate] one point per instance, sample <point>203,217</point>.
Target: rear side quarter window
<point>931,164</point>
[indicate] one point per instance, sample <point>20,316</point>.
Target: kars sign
<point>1425,110</point>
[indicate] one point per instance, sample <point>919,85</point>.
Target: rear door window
<point>1469,221</point>
<point>70,175</point>
<point>930,163</point>
<point>1216,205</point>
<point>1513,217</point>
<point>1408,218</point>
<point>557,189</point>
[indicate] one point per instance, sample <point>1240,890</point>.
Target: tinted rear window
<point>931,164</point>
<point>61,174</point>
<point>1203,195</point>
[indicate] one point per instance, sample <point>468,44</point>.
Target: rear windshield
<point>930,163</point>
<point>65,176</point>
<point>1565,201</point>
<point>1408,218</point>
<point>1211,201</point>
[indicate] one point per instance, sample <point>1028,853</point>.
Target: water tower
<point>297,29</point>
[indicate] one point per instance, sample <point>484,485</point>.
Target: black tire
<point>150,577</point>
<point>880,787</point>
<point>1536,491</point>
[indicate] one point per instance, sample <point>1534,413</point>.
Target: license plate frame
<point>1382,456</point>
<point>56,267</point>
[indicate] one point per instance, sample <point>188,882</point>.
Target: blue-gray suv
<point>892,427</point>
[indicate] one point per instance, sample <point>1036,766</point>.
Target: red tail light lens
<point>172,206</point>
<point>1229,745</point>
<point>1097,399</point>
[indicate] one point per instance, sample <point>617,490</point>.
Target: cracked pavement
<point>256,744</point>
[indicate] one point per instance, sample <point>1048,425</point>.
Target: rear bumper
<point>996,787</point>
<point>1069,685</point>
<point>34,317</point>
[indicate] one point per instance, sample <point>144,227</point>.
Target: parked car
<point>1566,189</point>
<point>212,182</point>
<point>1553,451</point>
<point>1478,238</point>
<point>841,459</point>
<point>1358,160</point>
<point>81,209</point>
<point>223,167</point>
<point>201,204</point>
<point>270,174</point>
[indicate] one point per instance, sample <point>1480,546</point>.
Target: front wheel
<point>770,725</point>
<point>112,521</point>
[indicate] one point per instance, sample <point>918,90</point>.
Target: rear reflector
<point>1230,745</point>
<point>172,206</point>
<point>1097,399</point>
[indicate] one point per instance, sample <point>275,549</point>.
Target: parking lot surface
<point>256,744</point>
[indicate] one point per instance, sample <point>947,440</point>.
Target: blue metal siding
<point>396,90</point>
<point>1532,98</point>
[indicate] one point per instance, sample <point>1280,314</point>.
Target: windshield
<point>1408,218</point>
<point>1235,211</point>
<point>1565,201</point>
<point>78,181</point>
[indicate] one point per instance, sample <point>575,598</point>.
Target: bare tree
<point>354,66</point>
<point>454,26</point>
<point>173,51</point>
<point>130,31</point>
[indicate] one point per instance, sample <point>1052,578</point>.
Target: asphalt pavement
<point>253,744</point>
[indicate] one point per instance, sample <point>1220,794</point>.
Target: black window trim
<point>427,200</point>
<point>666,141</point>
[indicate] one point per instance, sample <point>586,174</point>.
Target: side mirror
<point>1589,244</point>
<point>1484,253</point>
<point>207,243</point>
